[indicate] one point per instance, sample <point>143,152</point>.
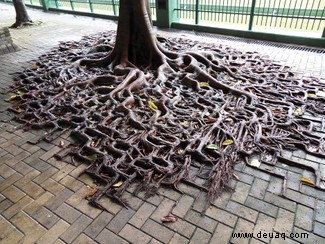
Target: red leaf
<point>169,219</point>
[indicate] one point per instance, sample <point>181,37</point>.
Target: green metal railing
<point>259,15</point>
<point>105,7</point>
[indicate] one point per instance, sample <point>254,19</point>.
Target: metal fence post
<point>197,12</point>
<point>114,7</point>
<point>323,36</point>
<point>251,17</point>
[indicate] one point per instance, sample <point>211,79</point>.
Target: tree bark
<point>22,17</point>
<point>135,40</point>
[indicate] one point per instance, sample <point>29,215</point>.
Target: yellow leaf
<point>92,156</point>
<point>152,105</point>
<point>20,110</point>
<point>13,97</point>
<point>227,142</point>
<point>307,181</point>
<point>36,67</point>
<point>311,95</point>
<point>212,146</point>
<point>184,123</point>
<point>298,111</point>
<point>204,83</point>
<point>118,184</point>
<point>277,111</point>
<point>20,92</point>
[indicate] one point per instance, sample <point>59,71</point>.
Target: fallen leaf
<point>277,111</point>
<point>152,105</point>
<point>92,156</point>
<point>254,162</point>
<point>212,146</point>
<point>20,92</point>
<point>209,121</point>
<point>184,123</point>
<point>20,110</point>
<point>312,95</point>
<point>13,97</point>
<point>204,83</point>
<point>307,181</point>
<point>91,192</point>
<point>235,176</point>
<point>61,143</point>
<point>298,111</point>
<point>118,184</point>
<point>227,142</point>
<point>168,219</point>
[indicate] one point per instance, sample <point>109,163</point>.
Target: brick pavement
<point>42,199</point>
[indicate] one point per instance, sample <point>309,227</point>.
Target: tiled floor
<point>42,199</point>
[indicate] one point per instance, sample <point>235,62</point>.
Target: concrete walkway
<point>42,199</point>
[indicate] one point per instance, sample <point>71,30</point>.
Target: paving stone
<point>50,153</point>
<point>88,209</point>
<point>200,236</point>
<point>304,217</point>
<point>27,178</point>
<point>75,229</point>
<point>313,192</point>
<point>261,206</point>
<point>242,211</point>
<point>241,192</point>
<point>71,183</point>
<point>183,205</point>
<point>45,217</point>
<point>300,198</point>
<point>203,222</point>
<point>182,227</point>
<point>284,222</point>
<point>169,193</point>
<point>13,160</point>
<point>245,178</point>
<point>132,201</point>
<point>280,201</point>
<point>33,190</point>
<point>13,193</point>
<point>53,186</point>
<point>242,227</point>
<point>6,171</point>
<point>157,231</point>
<point>222,234</point>
<point>222,216</point>
<point>257,173</point>
<point>60,198</point>
<point>9,181</point>
<point>275,185</point>
<point>67,213</point>
<point>283,241</point>
<point>63,172</point>
<point>293,180</point>
<point>163,209</point>
<point>320,211</point>
<point>15,208</point>
<point>141,216</point>
<point>134,235</point>
<point>53,234</point>
<point>319,229</point>
<point>83,239</point>
<point>255,241</point>
<point>5,204</point>
<point>264,226</point>
<point>22,168</point>
<point>258,188</point>
<point>38,203</point>
<point>45,175</point>
<point>307,238</point>
<point>222,200</point>
<point>98,224</point>
<point>119,220</point>
<point>178,239</point>
<point>107,236</point>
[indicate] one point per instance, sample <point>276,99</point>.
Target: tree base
<point>19,24</point>
<point>203,109</point>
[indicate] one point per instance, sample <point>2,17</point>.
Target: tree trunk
<point>22,17</point>
<point>135,40</point>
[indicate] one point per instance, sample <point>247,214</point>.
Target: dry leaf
<point>92,156</point>
<point>227,142</point>
<point>152,105</point>
<point>184,123</point>
<point>20,92</point>
<point>168,219</point>
<point>204,83</point>
<point>307,181</point>
<point>20,110</point>
<point>311,95</point>
<point>277,111</point>
<point>61,143</point>
<point>212,146</point>
<point>235,176</point>
<point>298,111</point>
<point>118,184</point>
<point>209,121</point>
<point>13,97</point>
<point>91,192</point>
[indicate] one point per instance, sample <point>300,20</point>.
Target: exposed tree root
<point>186,116</point>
